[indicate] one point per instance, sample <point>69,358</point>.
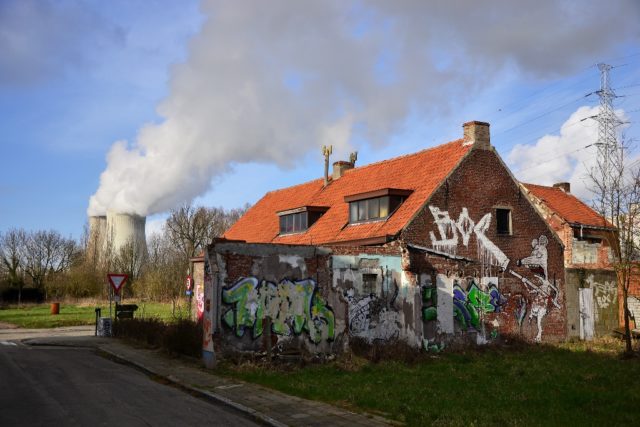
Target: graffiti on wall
<point>199,300</point>
<point>207,341</point>
<point>470,304</point>
<point>544,292</point>
<point>451,232</point>
<point>374,317</point>
<point>429,303</point>
<point>520,311</point>
<point>603,293</point>
<point>293,307</point>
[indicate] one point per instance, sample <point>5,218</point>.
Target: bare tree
<point>46,253</point>
<point>11,248</point>
<point>616,187</point>
<point>191,228</point>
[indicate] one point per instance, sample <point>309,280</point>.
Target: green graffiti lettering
<point>292,306</point>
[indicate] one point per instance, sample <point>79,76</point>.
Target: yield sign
<point>117,280</point>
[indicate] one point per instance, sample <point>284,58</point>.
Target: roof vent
<point>564,186</point>
<point>477,134</point>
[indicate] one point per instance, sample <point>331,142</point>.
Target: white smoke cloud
<point>269,81</point>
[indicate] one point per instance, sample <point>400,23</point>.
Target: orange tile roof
<point>421,172</point>
<point>567,206</point>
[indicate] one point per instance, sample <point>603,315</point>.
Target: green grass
<point>570,384</point>
<point>39,316</point>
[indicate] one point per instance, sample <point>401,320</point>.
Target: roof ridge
<point>405,155</point>
<point>379,162</point>
<point>295,185</point>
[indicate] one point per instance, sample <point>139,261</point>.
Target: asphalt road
<point>76,387</point>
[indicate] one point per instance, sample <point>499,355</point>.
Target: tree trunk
<point>627,328</point>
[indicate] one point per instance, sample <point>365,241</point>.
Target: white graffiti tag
<point>543,292</point>
<point>603,292</point>
<point>449,229</point>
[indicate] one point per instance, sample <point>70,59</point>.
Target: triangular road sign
<point>117,281</point>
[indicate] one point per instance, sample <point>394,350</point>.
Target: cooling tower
<point>123,229</point>
<point>97,232</point>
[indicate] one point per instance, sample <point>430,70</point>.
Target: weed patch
<point>515,384</point>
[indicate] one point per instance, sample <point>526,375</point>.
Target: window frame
<point>388,200</point>
<point>299,220</point>
<point>501,231</point>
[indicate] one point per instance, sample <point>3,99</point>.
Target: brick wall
<point>481,184</point>
<point>287,287</point>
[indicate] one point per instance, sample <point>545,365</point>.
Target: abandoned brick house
<point>435,247</point>
<point>590,280</point>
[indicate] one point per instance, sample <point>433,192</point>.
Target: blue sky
<point>221,102</point>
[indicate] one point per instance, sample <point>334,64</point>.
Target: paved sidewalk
<point>266,405</point>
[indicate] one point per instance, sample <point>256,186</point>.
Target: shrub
<point>180,337</point>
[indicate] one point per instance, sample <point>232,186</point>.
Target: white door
<point>585,295</point>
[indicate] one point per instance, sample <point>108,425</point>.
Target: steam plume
<point>268,81</point>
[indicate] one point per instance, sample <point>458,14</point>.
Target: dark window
<point>503,221</point>
<point>375,208</point>
<point>369,284</point>
<point>293,223</point>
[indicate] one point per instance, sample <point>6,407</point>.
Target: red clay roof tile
<point>567,206</point>
<point>421,172</point>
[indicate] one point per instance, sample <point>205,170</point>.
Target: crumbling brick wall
<point>460,219</point>
<point>274,298</point>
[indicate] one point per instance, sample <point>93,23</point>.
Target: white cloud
<point>41,38</point>
<point>269,81</point>
<point>569,156</point>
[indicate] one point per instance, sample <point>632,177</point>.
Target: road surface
<point>42,385</point>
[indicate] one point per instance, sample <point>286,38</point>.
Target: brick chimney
<point>477,133</point>
<point>340,167</point>
<point>564,186</point>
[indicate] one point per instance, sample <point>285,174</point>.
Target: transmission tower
<point>610,155</point>
<point>608,149</point>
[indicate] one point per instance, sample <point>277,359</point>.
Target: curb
<point>205,394</point>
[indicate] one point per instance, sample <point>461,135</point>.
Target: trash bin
<point>55,308</point>
<point>104,327</point>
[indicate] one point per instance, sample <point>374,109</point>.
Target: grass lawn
<point>39,316</point>
<point>568,384</point>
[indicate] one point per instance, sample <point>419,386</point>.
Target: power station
<point>109,234</point>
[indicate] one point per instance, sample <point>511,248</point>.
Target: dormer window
<point>375,205</point>
<point>299,219</point>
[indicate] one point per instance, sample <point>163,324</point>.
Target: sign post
<point>117,281</point>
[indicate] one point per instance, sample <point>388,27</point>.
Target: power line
<point>546,113</point>
<point>553,158</point>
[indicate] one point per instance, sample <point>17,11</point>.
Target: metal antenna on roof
<point>353,157</point>
<point>326,152</point>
